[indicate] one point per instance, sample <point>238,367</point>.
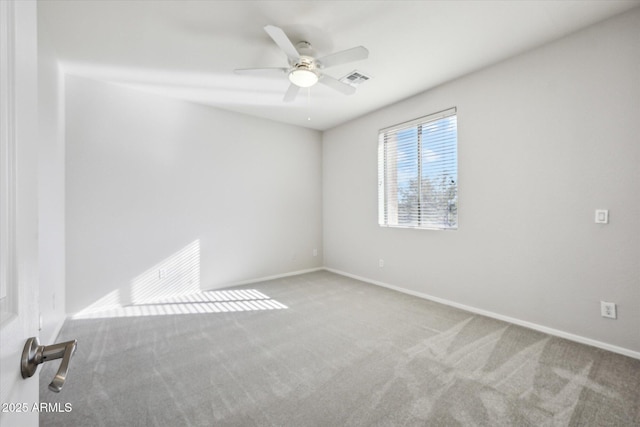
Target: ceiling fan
<point>305,70</point>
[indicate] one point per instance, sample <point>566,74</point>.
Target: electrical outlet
<point>608,309</point>
<point>315,252</point>
<point>602,216</point>
<point>380,263</point>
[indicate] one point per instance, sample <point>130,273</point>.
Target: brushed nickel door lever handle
<point>35,354</point>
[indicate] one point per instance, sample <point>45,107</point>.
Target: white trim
<point>264,279</point>
<point>8,149</point>
<point>222,286</point>
<point>421,120</point>
<point>555,332</point>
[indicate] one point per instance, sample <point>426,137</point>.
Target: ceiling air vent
<point>355,78</point>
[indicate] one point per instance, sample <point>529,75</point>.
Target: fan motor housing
<point>305,63</point>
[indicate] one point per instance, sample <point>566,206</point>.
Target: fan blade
<point>342,57</point>
<point>337,85</point>
<point>291,94</point>
<point>283,42</point>
<point>262,71</point>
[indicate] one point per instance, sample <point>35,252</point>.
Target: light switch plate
<point>602,216</point>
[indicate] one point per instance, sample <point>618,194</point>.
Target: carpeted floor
<point>324,350</point>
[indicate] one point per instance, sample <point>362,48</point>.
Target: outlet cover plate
<point>608,309</point>
<point>602,216</point>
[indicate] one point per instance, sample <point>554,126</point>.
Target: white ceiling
<point>189,49</point>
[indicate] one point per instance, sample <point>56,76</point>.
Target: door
<point>18,208</point>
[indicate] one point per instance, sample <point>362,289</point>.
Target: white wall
<point>51,215</point>
<point>150,180</point>
<point>545,138</point>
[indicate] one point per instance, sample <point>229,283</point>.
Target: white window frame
<point>388,206</point>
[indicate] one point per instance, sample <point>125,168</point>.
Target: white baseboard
<point>519,322</point>
<point>276,276</point>
<point>222,286</point>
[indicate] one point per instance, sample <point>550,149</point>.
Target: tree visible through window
<point>418,173</point>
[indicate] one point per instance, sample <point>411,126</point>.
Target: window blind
<point>418,173</point>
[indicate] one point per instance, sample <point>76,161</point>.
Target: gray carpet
<point>324,350</point>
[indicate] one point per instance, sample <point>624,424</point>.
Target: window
<point>418,173</point>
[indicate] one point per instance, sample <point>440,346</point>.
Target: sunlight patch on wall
<point>111,301</point>
<point>176,275</point>
<point>171,287</point>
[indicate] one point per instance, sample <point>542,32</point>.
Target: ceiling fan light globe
<point>303,78</point>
